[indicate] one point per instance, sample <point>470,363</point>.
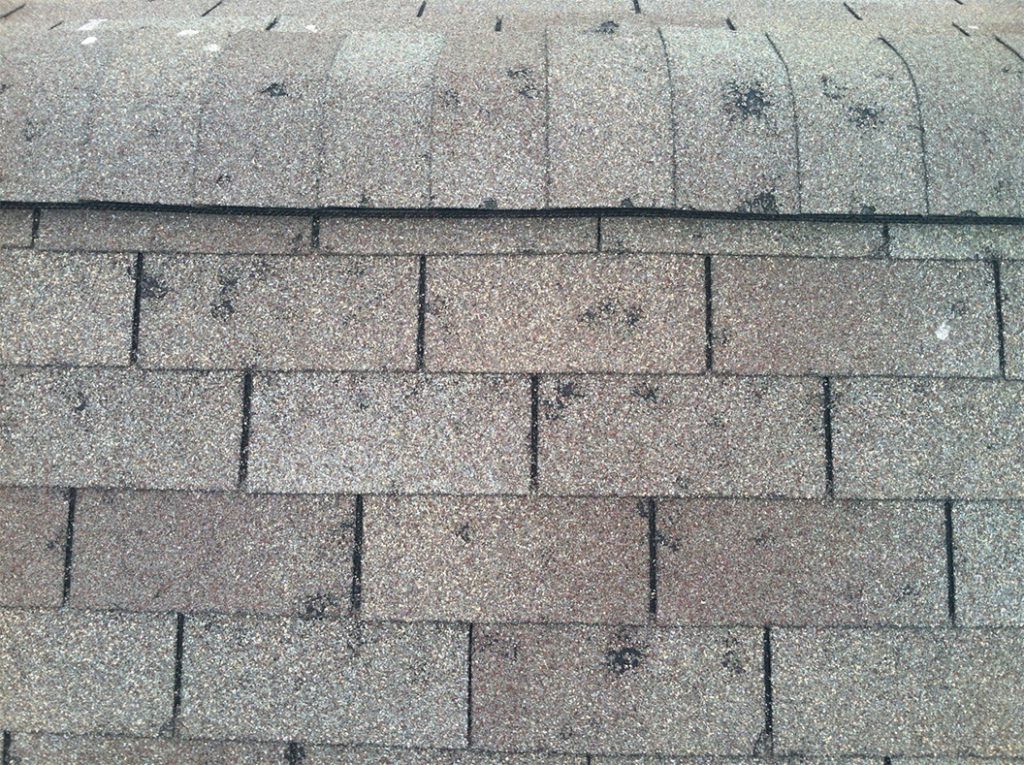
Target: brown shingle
<point>32,525</point>
<point>988,545</point>
<point>27,749</point>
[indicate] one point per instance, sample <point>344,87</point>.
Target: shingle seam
<point>796,123</point>
<point>133,347</point>
<point>673,122</point>
<point>294,753</point>
<point>36,216</point>
<point>356,598</point>
<point>922,142</point>
<point>1000,321</point>
<point>826,424</point>
<point>650,505</point>
<point>853,12</point>
<point>1009,47</point>
<point>950,562</point>
<point>768,741</point>
<point>534,432</point>
<point>179,653</point>
<point>71,501</point>
<point>469,685</point>
<point>421,314</point>
<point>709,322</point>
<point>314,233</point>
<point>11,12</point>
<point>5,756</point>
<point>211,9</point>
<point>243,444</point>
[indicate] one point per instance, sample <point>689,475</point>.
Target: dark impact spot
<point>564,393</point>
<point>223,306</point>
<point>316,606</point>
<point>489,204</point>
<point>623,660</point>
<point>81,402</point>
<point>745,100</point>
<point>526,84</point>
<point>152,287</point>
<point>831,89</point>
<point>763,203</point>
<point>275,90</point>
<point>645,391</point>
<point>606,28</point>
<point>865,117</point>
<point>463,533</point>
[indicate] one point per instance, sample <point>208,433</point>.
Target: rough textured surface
<point>498,559</point>
<point>681,436</point>
<point>86,672</point>
<point>919,693</point>
<point>961,242</point>
<point>802,316</point>
<point>566,314</point>
<point>341,681</point>
<point>928,438</point>
<point>15,228</point>
<point>316,755</point>
<point>388,433</point>
<point>278,313</point>
<point>616,690</point>
<point>1013,317</point>
<point>988,541</point>
<point>27,749</point>
<point>33,525</point>
<point>753,562</point>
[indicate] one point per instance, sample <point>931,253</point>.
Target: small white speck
<point>311,27</point>
<point>188,32</point>
<point>211,48</point>
<point>943,331</point>
<point>973,26</point>
<point>90,25</point>
<point>88,41</point>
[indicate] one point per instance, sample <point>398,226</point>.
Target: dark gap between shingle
<point>421,315</point>
<point>357,557</point>
<point>826,421</point>
<point>179,653</point>
<point>69,539</point>
<point>469,687</point>
<point>314,234</point>
<point>709,323</point>
<point>6,758</point>
<point>651,506</point>
<point>211,9</point>
<point>295,754</point>
<point>852,12</point>
<point>636,6</point>
<point>133,348</point>
<point>950,572</point>
<point>1009,47</point>
<point>674,123</point>
<point>961,30</point>
<point>272,24</point>
<point>57,25</point>
<point>497,24</point>
<point>243,449</point>
<point>36,213</point>
<point>600,234</point>
<point>729,24</point>
<point>998,276</point>
<point>534,431</point>
<point>920,123</point>
<point>796,123</point>
<point>12,11</point>
<point>769,723</point>
<point>886,240</point>
<point>422,9</point>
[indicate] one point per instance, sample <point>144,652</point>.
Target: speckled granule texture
<point>1013,317</point>
<point>29,749</point>
<point>329,755</point>
<point>33,523</point>
<point>989,560</point>
<point>15,228</point>
<point>960,242</point>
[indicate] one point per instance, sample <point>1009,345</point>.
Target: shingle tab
<point>928,438</point>
<point>95,750</point>
<point>610,126</point>
<point>390,433</point>
<point>989,563</point>
<point>15,228</point>
<point>171,551</point>
<point>327,755</point>
<point>325,681</point>
<point>1013,317</point>
<point>568,313</point>
<point>505,559</point>
<point>917,692</point>
<point>90,427</point>
<point>617,690</point>
<point>681,436</point>
<point>60,308</point>
<point>960,241</point>
<point>754,562</point>
<point>278,313</point>
<point>82,672</point>
<point>798,316</point>
<point>33,523</point>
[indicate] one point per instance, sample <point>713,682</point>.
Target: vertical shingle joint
<point>421,315</point>
<point>357,556</point>
<point>469,687</point>
<point>950,563</point>
<point>826,422</point>
<point>36,214</point>
<point>133,349</point>
<point>1000,327</point>
<point>179,652</point>
<point>243,450</point>
<point>709,324</point>
<point>534,431</point>
<point>768,741</point>
<point>69,539</point>
<point>651,507</point>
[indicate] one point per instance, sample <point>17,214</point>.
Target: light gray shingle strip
<point>104,427</point>
<point>681,436</point>
<point>505,559</point>
<point>86,672</point>
<point>919,692</point>
<point>617,690</point>
<point>49,749</point>
<point>377,121</point>
<point>399,15</point>
<point>1012,278</point>
<point>325,681</point>
<point>808,563</point>
<point>328,755</point>
<point>15,228</point>
<point>34,522</point>
<point>310,312</point>
<point>854,317</point>
<point>182,551</point>
<point>733,117</point>
<point>956,241</point>
<point>488,128</point>
<point>566,313</point>
<point>988,544</point>
<point>860,137</point>
<point>58,308</point>
<point>406,433</point>
<point>610,124</point>
<point>928,438</point>
<point>971,100</point>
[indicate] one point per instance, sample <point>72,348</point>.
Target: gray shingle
<point>33,523</point>
<point>57,308</point>
<point>796,316</point>
<point>928,438</point>
<point>565,314</point>
<point>610,125</point>
<point>1013,317</point>
<point>754,562</point>
<point>723,237</point>
<point>82,672</point>
<point>316,755</point>
<point>681,436</point>
<point>988,544</point>
<point>734,131</point>
<point>505,559</point>
<point>278,313</point>
<point>15,228</point>
<point>90,427</point>
<point>44,749</point>
<point>325,681</point>
<point>458,236</point>
<point>390,433</point>
<point>911,691</point>
<point>171,551</point>
<point>617,690</point>
<point>956,241</point>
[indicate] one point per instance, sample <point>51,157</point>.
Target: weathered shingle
<point>988,544</point>
<point>15,228</point>
<point>33,523</point>
<point>42,749</point>
<point>328,755</point>
<point>956,241</point>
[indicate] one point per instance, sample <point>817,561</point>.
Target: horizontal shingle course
<point>43,749</point>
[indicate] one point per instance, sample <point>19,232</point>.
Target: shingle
<point>325,681</point>
<point>1012,288</point>
<point>32,525</point>
<point>456,236</point>
<point>377,121</point>
<point>820,563</point>
<point>681,436</point>
<point>610,124</point>
<point>734,131</point>
<point>956,241</point>
<point>390,433</point>
<point>60,308</point>
<point>172,232</point>
<point>617,690</point>
<point>565,313</point>
<point>15,228</point>
<point>327,755</point>
<point>278,313</point>
<point>525,16</point>
<point>860,133</point>
<point>171,551</point>
<point>718,237</point>
<point>488,127</point>
<point>919,692</point>
<point>796,316</point>
<point>928,438</point>
<point>988,545</point>
<point>970,97</point>
<point>83,672</point>
<point>42,749</point>
<point>505,559</point>
<point>346,16</point>
<point>91,427</point>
